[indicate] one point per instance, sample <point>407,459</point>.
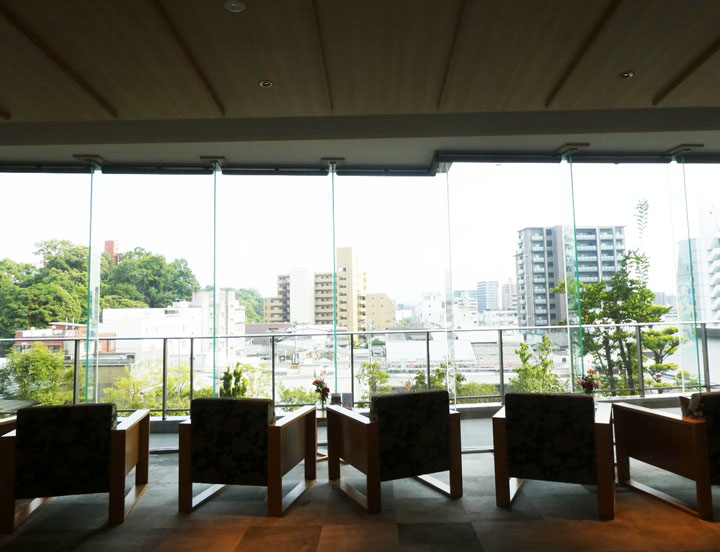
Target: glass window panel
<point>43,285</point>
<point>627,215</point>
<point>157,236</point>
<point>274,254</point>
<point>392,261</point>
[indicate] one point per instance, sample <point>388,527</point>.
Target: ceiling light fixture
<point>626,75</point>
<point>234,6</point>
<point>265,83</point>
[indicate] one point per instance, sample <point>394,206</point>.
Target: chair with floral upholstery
<point>69,450</point>
<point>687,445</point>
<point>407,435</point>
<point>554,437</point>
<point>230,441</point>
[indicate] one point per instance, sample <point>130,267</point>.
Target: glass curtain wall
<point>44,276</point>
<point>507,224</point>
<point>392,266</point>
<point>155,234</point>
<point>166,282</point>
<point>274,275</point>
<point>698,270</point>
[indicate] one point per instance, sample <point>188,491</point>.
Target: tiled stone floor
<point>544,516</point>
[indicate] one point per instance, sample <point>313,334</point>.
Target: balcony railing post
<point>272,364</point>
<point>638,344</point>
<point>192,369</point>
<point>501,362</point>
<point>427,352</point>
<point>352,368</point>
<point>705,357</point>
<point>76,373</point>
<point>165,378</point>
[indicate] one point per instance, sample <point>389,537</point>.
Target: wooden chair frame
<point>355,439</point>
<point>129,448</point>
<point>668,441</point>
<point>290,440</point>
<point>8,424</point>
<point>506,487</point>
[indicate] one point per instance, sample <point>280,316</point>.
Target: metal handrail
<point>274,337</point>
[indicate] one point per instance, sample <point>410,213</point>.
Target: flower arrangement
<point>589,382</point>
<point>322,390</point>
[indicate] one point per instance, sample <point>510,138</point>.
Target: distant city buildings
<point>380,312</point>
<point>305,300</point>
<point>488,296</point>
<point>540,266</point>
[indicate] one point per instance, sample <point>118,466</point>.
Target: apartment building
<point>541,266</point>
<point>380,312</point>
<point>305,300</point>
<point>488,295</point>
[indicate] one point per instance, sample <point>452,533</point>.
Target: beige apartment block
<point>380,312</point>
<point>272,310</point>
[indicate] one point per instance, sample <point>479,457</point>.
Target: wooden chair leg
<point>143,465</point>
<point>703,483</point>
<point>184,473</point>
<point>310,447</point>
<point>374,497</point>
<point>605,471</point>
<point>334,438</point>
<point>623,460</point>
<point>502,476</point>
<point>456,482</point>
<point>7,484</point>
<point>274,476</point>
<point>116,500</point>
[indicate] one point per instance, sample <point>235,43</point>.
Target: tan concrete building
<point>351,291</point>
<point>272,310</point>
<point>380,312</point>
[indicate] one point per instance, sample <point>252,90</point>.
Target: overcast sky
<point>398,226</point>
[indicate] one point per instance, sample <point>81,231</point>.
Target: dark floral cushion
<point>551,437</point>
<point>708,408</point>
<point>63,450</point>
<point>229,440</point>
<point>414,433</point>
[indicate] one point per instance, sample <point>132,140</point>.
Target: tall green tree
<point>146,277</point>
<point>374,379</point>
<point>537,373</point>
<point>38,375</point>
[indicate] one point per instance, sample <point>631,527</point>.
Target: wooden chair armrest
<point>603,413</point>
<point>653,413</point>
<point>349,414</point>
<point>126,423</point>
<point>500,414</point>
<point>186,422</point>
<point>294,416</point>
<point>7,424</point>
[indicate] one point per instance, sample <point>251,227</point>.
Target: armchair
<point>686,446</point>
<point>407,435</point>
<point>238,442</point>
<point>67,450</point>
<point>554,438</point>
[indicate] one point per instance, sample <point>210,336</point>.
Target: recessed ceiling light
<point>234,6</point>
<point>626,75</point>
<point>265,83</point>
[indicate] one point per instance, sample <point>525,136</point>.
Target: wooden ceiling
<point>81,61</point>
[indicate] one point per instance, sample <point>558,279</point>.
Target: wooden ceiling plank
<point>599,26</point>
<point>451,54</point>
<point>321,44</point>
<point>180,41</point>
<point>57,60</point>
<point>693,66</point>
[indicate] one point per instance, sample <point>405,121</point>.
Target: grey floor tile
<point>448,537</point>
<point>303,538</point>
